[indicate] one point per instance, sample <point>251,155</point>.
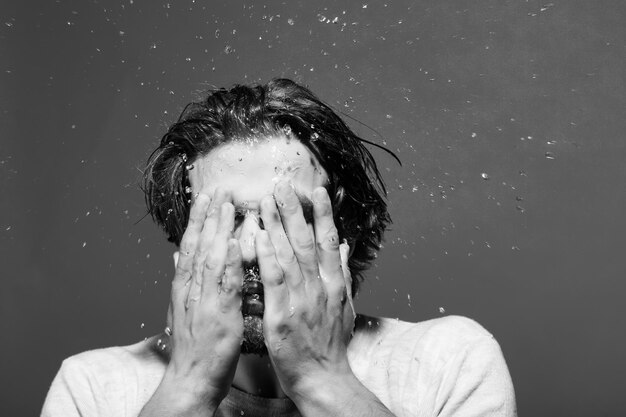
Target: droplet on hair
<point>183,156</point>
<point>315,136</point>
<point>188,189</point>
<point>189,167</point>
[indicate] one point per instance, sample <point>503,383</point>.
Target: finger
<point>188,249</point>
<point>191,237</point>
<point>229,293</point>
<point>215,262</point>
<point>344,251</point>
<point>209,229</point>
<point>327,244</point>
<point>283,251</point>
<point>276,294</point>
<point>296,229</point>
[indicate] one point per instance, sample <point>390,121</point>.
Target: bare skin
<point>205,314</point>
<point>308,315</point>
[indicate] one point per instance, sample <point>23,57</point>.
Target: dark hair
<point>355,184</point>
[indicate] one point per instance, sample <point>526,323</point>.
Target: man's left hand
<point>309,315</point>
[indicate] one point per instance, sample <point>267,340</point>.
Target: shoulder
<point>432,347</point>
<point>108,365</point>
<point>444,335</point>
<point>444,365</point>
<point>104,381</point>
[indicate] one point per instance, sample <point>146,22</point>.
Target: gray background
<point>529,93</point>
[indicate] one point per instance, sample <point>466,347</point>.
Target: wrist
<point>319,390</point>
<point>338,395</point>
<point>187,395</point>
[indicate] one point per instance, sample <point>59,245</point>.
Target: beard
<point>252,309</point>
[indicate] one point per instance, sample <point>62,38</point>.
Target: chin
<point>253,340</point>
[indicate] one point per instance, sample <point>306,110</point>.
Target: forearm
<point>339,396</point>
<point>180,399</point>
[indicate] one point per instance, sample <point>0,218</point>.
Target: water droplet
<point>84,244</point>
<point>485,176</point>
<point>549,155</point>
<point>188,189</point>
<point>217,33</point>
<point>290,21</point>
<point>292,311</point>
<point>228,49</point>
<point>442,310</point>
<point>189,167</point>
<point>474,134</point>
<point>142,325</point>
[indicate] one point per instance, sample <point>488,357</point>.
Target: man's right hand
<point>206,320</point>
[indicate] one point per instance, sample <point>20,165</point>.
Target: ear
<point>175,256</point>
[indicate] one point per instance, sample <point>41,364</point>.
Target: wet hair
<point>355,185</point>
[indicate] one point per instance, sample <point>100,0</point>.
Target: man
<point>277,208</point>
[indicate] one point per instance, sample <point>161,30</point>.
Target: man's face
<point>250,169</point>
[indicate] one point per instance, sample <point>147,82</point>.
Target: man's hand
<point>308,315</point>
<point>206,320</point>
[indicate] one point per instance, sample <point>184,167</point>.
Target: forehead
<point>250,168</point>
